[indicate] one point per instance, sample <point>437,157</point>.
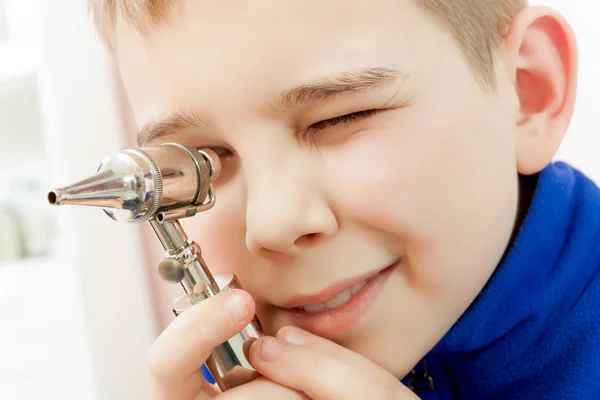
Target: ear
<point>543,53</point>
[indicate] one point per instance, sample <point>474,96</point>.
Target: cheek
<point>392,178</point>
<point>220,232</point>
<point>443,191</point>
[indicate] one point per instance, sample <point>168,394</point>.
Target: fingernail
<point>295,336</point>
<point>237,307</point>
<point>270,349</point>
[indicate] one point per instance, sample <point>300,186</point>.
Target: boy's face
<point>427,183</point>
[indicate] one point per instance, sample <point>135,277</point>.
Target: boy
<point>387,196</point>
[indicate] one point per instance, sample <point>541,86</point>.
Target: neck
<point>527,186</point>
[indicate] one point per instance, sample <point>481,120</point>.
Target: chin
<point>394,356</point>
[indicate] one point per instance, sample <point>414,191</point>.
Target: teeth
<point>356,288</point>
<point>315,308</point>
<point>337,301</point>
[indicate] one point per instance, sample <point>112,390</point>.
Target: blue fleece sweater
<point>534,331</point>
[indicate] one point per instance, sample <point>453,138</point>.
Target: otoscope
<point>161,185</point>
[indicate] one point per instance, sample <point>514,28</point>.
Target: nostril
<point>307,240</point>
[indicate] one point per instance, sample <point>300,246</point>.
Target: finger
<point>177,355</point>
<point>367,368</point>
<point>262,388</point>
<point>318,375</point>
<point>194,387</point>
<point>209,392</point>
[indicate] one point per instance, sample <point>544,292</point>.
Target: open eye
<point>229,165</point>
<point>222,152</point>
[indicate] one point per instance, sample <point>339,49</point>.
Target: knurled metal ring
<point>156,180</point>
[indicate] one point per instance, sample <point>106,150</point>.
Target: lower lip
<point>332,323</point>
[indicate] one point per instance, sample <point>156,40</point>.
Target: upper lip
<point>329,292</point>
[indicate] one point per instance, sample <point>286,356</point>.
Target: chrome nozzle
<point>135,185</point>
<point>104,189</point>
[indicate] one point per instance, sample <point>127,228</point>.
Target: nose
<point>287,211</point>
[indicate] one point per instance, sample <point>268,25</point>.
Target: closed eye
<point>344,119</point>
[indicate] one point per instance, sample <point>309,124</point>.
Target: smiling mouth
<point>338,301</point>
<point>336,295</point>
<point>338,308</point>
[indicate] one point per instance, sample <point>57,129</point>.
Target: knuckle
<point>193,325</point>
<point>324,366</point>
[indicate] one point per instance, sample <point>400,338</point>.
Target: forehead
<point>231,54</point>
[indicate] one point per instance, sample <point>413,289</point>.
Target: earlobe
<point>544,54</point>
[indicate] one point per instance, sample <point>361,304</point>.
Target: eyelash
<point>344,119</point>
<point>319,126</point>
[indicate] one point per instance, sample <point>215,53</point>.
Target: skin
<point>431,179</point>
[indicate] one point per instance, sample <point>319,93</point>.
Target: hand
<point>314,369</point>
<point>320,369</point>
<point>177,355</point>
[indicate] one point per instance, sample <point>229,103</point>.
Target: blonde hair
<point>478,26</point>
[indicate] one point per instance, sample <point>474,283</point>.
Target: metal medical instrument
<point>161,185</point>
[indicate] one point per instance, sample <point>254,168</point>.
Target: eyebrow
<point>341,83</point>
<point>318,92</point>
<point>173,123</point>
